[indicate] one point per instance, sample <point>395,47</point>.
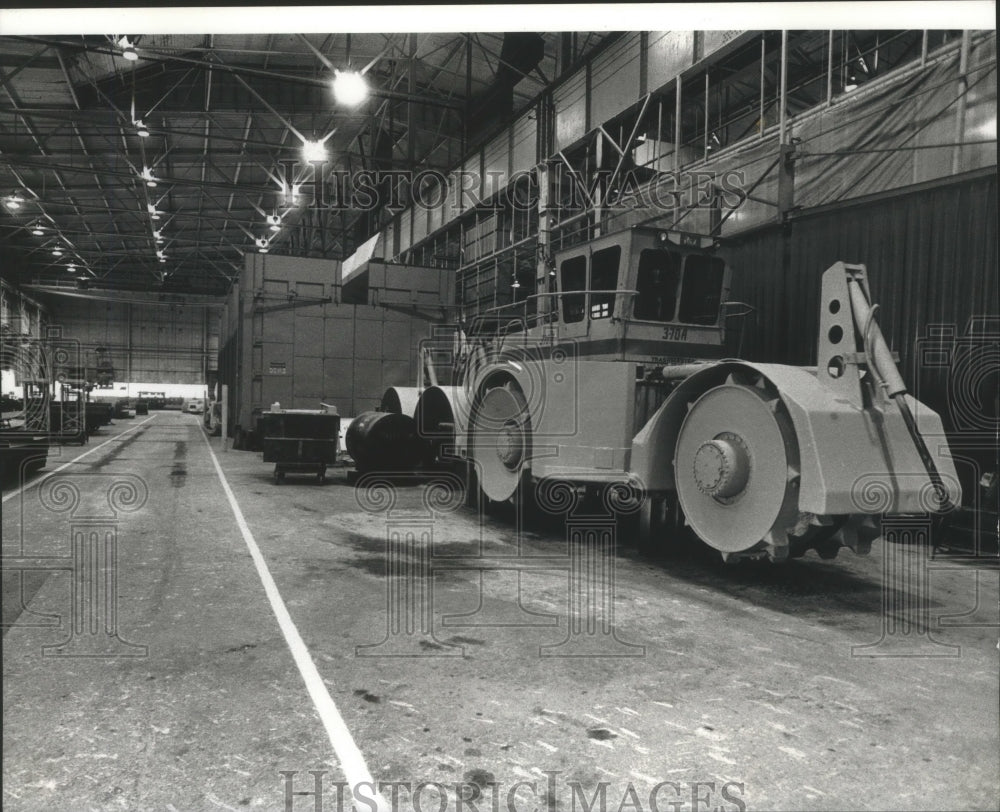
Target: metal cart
<point>303,441</point>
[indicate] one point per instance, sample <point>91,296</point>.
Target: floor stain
<point>472,641</point>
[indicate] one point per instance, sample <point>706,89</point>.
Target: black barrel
<point>384,441</point>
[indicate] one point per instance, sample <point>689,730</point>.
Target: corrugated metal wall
<point>148,343</point>
<point>931,257</point>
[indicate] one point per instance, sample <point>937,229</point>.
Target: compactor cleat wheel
<point>737,471</point>
<point>501,441</point>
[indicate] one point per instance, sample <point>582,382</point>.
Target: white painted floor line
<point>41,478</point>
<point>352,761</point>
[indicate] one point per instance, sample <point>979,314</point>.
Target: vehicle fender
<point>852,460</point>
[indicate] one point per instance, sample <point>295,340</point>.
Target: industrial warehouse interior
<point>580,407</point>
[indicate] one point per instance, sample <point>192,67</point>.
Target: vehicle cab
<point>644,294</point>
<point>641,294</point>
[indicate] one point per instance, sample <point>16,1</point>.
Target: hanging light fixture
<point>147,175</point>
<point>349,87</point>
<point>274,222</point>
<point>262,245</point>
<point>291,196</point>
<point>57,251</point>
<point>14,201</point>
<point>37,230</point>
<point>141,129</point>
<point>313,151</point>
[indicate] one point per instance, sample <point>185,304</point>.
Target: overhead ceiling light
<point>153,213</point>
<point>141,129</point>
<point>71,267</point>
<point>313,151</point>
<point>37,230</point>
<point>291,196</point>
<point>262,245</point>
<point>349,87</point>
<point>57,252</point>
<point>516,284</point>
<point>147,175</point>
<point>128,49</point>
<point>14,201</point>
<point>274,222</point>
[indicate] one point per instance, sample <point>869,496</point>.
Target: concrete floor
<point>744,694</point>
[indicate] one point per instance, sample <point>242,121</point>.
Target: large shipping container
<point>288,337</point>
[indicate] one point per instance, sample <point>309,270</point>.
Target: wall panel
<point>614,81</point>
<point>570,104</point>
<point>669,53</point>
<point>524,152</point>
<point>923,268</point>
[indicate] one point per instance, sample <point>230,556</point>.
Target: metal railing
<point>522,320</point>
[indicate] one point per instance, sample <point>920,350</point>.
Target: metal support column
<point>960,108</point>
<point>829,69</point>
<point>704,144</point>
<point>225,417</point>
<point>412,90</point>
<point>763,78</point>
<point>782,124</point>
<point>677,126</point>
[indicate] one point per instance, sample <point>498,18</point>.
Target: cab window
<point>658,279</point>
<point>701,291</point>
<point>604,277</point>
<point>573,276</point>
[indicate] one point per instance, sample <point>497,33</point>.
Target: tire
<point>501,441</point>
